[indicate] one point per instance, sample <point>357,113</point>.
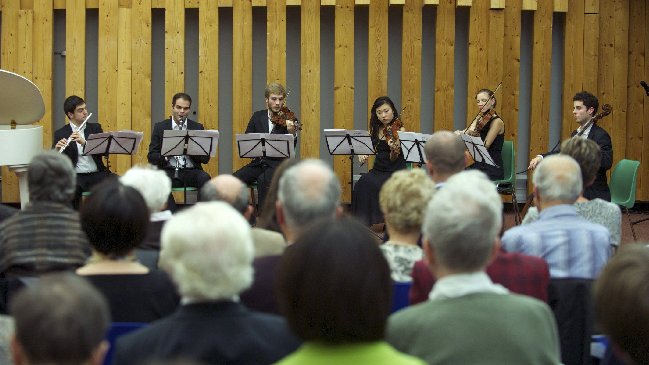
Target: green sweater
<point>374,353</point>
<point>482,328</point>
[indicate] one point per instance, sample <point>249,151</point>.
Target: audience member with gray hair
<point>460,233</point>
<point>445,156</point>
<point>588,155</point>
<point>308,192</point>
<point>208,251</point>
<point>46,236</point>
<point>572,246</point>
<point>233,191</point>
<point>60,319</point>
<point>155,187</point>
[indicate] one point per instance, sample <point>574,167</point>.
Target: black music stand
<point>477,149</point>
<point>262,145</point>
<point>412,146</point>
<point>349,143</point>
<point>189,142</point>
<point>118,143</point>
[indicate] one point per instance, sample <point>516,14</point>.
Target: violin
<point>391,133</point>
<point>283,115</point>
<point>482,119</point>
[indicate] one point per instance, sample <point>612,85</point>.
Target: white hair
<point>308,191</point>
<point>153,184</point>
<point>558,178</point>
<point>208,251</point>
<point>462,221</point>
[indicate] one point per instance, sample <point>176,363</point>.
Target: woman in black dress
<point>384,125</point>
<point>491,129</point>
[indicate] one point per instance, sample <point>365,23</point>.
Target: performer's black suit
<point>261,169</point>
<point>599,189</point>
<point>193,177</point>
<point>85,181</point>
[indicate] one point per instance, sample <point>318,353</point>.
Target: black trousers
<point>260,172</point>
<point>85,182</point>
<point>194,178</point>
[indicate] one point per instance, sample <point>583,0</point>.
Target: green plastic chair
<point>623,187</point>
<point>184,190</point>
<point>507,186</point>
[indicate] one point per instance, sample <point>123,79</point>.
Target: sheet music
<point>202,142</point>
<point>274,145</point>
<point>125,142</point>
<point>412,146</point>
<point>477,149</point>
<point>338,144</point>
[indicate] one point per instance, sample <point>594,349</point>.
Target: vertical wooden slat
<point>542,56</point>
<point>575,70</point>
<point>107,68</point>
<point>276,41</point>
<point>444,65</point>
<point>344,83</point>
<point>479,43</point>
<point>636,93</point>
<point>208,70</point>
<point>241,71</point>
<point>42,62</point>
<point>591,45</point>
<point>24,54</point>
<point>411,64</point>
<point>75,48</point>
<point>9,60</point>
<point>310,78</point>
<point>377,51</point>
<point>511,73</point>
<point>617,126</point>
<point>495,50</point>
<point>643,193</point>
<point>174,49</point>
<point>141,74</point>
<point>123,98</point>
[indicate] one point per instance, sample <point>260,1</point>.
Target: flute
<point>67,141</point>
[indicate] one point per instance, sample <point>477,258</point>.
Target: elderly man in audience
<point>61,319</point>
<point>445,156</point>
<point>208,251</point>
<point>46,236</point>
<point>522,274</point>
<point>307,192</point>
<point>403,200</point>
<point>233,191</point>
<point>155,186</point>
<point>469,319</point>
<point>588,155</point>
<point>572,246</point>
<point>622,303</point>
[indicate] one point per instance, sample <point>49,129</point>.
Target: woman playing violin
<point>384,127</point>
<point>491,129</point>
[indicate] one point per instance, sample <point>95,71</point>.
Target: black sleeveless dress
<point>365,205</point>
<point>495,151</point>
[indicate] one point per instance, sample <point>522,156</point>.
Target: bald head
<point>444,154</point>
<point>226,188</point>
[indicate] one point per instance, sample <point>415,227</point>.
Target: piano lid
<point>20,99</point>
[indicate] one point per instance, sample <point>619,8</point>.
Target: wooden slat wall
<point>444,65</point>
<point>605,46</point>
<point>541,59</point>
<point>310,138</point>
<point>241,72</point>
<point>411,66</point>
<point>208,81</point>
<point>344,84</point>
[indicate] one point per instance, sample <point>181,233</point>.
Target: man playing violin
<point>585,107</point>
<point>90,169</point>
<point>275,119</point>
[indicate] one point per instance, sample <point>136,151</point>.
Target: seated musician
<point>71,139</point>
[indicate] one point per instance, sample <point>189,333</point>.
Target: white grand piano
<point>21,104</point>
